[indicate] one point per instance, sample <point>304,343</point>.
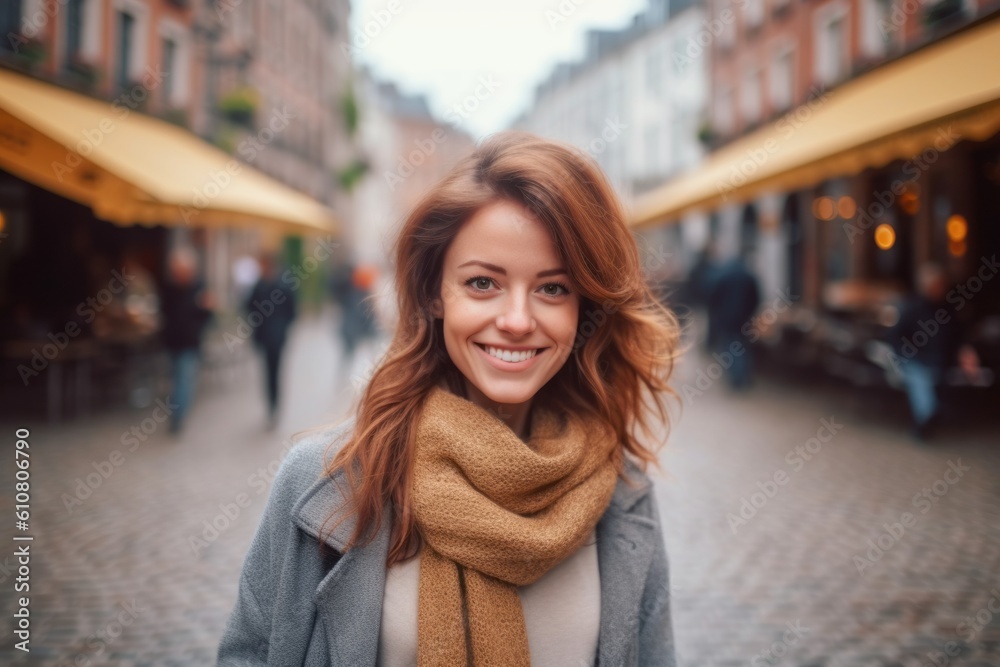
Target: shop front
<point>92,200</point>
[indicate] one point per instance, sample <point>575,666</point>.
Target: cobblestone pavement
<point>805,527</point>
<point>116,579</point>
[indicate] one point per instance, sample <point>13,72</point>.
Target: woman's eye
<point>479,282</point>
<point>558,287</point>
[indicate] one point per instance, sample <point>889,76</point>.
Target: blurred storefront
<point>93,195</point>
<point>838,200</point>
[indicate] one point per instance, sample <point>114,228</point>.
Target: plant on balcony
<point>176,116</point>
<point>134,94</point>
<point>239,106</point>
<point>706,134</point>
<point>351,175</point>
<point>349,110</point>
<point>30,50</point>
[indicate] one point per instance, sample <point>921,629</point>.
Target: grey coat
<point>296,608</point>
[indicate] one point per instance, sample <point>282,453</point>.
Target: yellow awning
<point>946,91</point>
<point>130,168</point>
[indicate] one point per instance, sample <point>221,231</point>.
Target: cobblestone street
<point>803,528</point>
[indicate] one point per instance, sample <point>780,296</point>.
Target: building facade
<point>635,103</point>
<point>406,150</point>
<point>847,247</point>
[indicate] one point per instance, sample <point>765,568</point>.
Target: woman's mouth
<point>508,356</point>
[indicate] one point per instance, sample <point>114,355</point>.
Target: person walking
<point>733,298</point>
<point>186,309</point>
<point>487,501</point>
<point>352,286</point>
<point>275,302</point>
<point>926,340</point>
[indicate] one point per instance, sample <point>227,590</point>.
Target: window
<point>782,80</point>
<point>654,152</point>
<point>873,37</point>
<point>724,120</point>
<point>679,129</point>
<point>126,27</point>
<point>728,35</point>
<point>169,69</point>
<point>753,14</point>
<point>74,30</point>
<point>750,97</point>
<point>654,73</point>
<point>10,23</point>
<point>831,48</point>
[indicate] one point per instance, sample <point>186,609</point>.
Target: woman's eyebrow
<point>502,271</point>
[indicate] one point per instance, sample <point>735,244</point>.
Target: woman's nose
<point>516,317</point>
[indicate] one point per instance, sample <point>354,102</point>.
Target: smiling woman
<point>487,502</point>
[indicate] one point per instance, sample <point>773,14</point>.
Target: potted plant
<point>239,106</point>
<point>176,116</point>
<point>30,50</point>
<point>349,110</point>
<point>349,176</point>
<point>706,134</point>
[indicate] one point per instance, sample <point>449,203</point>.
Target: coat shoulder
<point>306,460</point>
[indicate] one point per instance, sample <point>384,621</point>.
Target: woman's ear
<point>436,308</point>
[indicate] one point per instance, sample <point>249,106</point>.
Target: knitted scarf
<point>496,513</point>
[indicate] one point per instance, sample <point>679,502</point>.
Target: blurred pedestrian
<point>186,309</point>
<point>493,463</point>
<point>733,297</point>
<point>926,340</point>
<point>352,285</point>
<point>275,301</point>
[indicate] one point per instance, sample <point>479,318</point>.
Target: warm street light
<point>885,236</point>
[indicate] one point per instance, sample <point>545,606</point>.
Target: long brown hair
<point>626,339</point>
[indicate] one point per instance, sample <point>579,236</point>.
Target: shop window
<point>795,244</point>
<point>748,235</point>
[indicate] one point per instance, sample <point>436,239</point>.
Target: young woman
<point>487,502</point>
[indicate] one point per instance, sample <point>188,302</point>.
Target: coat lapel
<point>349,598</point>
<point>624,551</point>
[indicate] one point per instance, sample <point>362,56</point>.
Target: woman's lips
<point>510,365</point>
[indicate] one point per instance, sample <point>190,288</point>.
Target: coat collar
<point>625,547</point>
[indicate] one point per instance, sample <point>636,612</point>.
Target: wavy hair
<point>624,349</point>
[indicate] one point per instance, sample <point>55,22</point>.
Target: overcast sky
<point>449,49</point>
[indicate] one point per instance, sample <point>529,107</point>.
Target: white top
<point>562,612</point>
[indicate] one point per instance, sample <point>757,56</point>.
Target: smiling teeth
<point>507,355</point>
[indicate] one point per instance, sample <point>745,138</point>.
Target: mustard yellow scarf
<point>496,513</point>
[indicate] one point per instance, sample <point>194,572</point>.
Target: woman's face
<point>509,310</point>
